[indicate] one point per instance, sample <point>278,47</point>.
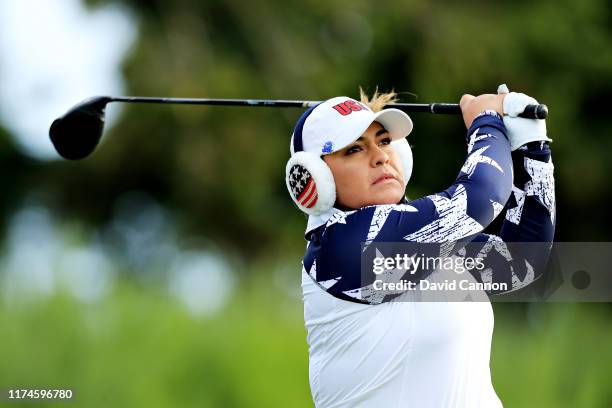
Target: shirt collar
<point>315,221</point>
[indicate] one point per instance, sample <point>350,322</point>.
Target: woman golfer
<point>349,167</point>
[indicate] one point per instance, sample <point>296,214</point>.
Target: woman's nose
<point>379,156</point>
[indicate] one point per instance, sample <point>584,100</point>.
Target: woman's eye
<point>386,141</point>
<point>353,149</point>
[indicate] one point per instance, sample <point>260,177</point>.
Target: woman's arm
<point>519,254</point>
<point>478,194</point>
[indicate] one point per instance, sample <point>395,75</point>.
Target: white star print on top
<point>453,223</point>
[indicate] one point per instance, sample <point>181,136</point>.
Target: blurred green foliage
<point>141,348</point>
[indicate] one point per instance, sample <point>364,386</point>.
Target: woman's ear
<point>310,183</point>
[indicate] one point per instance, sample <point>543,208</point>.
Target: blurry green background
<point>164,270</point>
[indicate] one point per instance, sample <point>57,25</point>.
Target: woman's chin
<point>387,194</point>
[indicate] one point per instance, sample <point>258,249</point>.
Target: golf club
<point>76,134</point>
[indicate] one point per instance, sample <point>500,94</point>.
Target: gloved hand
<point>521,130</point>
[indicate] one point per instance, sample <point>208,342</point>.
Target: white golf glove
<point>521,130</point>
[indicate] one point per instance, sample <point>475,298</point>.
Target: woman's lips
<point>385,178</point>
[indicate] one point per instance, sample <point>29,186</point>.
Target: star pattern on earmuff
<point>303,186</point>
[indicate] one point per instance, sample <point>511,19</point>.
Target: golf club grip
<point>531,111</point>
<point>535,112</point>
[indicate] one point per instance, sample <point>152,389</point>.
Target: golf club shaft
<point>531,112</point>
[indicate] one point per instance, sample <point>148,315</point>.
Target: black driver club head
<point>76,134</point>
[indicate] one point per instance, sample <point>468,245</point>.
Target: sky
<point>53,54</point>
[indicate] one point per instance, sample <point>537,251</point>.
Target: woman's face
<point>368,171</point>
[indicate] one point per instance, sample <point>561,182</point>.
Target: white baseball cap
<point>337,122</point>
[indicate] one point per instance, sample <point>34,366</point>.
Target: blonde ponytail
<point>379,100</point>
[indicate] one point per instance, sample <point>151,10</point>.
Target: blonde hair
<point>378,100</point>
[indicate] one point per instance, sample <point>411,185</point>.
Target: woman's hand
<point>472,106</point>
<point>520,130</point>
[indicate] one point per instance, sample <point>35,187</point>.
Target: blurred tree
<point>17,174</point>
<point>221,170</point>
